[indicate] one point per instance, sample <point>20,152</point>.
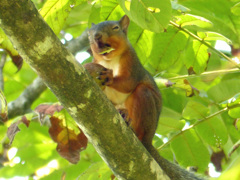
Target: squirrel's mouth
<point>105,48</point>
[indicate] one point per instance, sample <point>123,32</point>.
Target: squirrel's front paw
<point>106,77</point>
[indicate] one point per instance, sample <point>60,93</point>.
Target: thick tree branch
<point>23,103</point>
<point>83,99</point>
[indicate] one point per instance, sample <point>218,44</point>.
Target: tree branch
<point>23,103</point>
<point>84,100</point>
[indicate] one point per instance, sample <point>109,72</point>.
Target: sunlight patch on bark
<point>73,111</point>
<point>42,47</point>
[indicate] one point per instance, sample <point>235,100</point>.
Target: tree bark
<point>75,89</point>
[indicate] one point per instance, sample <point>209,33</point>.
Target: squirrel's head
<point>108,39</point>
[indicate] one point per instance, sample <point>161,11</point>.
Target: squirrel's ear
<point>124,22</point>
<point>93,24</point>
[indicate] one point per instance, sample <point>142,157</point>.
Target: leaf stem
<point>206,73</point>
<point>205,43</point>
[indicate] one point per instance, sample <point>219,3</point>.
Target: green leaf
<point>196,56</point>
<point>235,112</point>
<point>162,55</point>
<point>225,89</point>
<point>111,10</point>
<point>213,131</point>
<point>190,150</point>
<point>6,44</point>
<point>232,172</point>
<point>148,14</point>
<point>195,110</point>
<point>97,171</point>
<point>193,20</point>
<point>235,100</point>
<point>213,36</point>
<point>35,149</point>
<point>236,9</point>
<point>166,125</point>
<point>55,13</point>
<point>221,14</point>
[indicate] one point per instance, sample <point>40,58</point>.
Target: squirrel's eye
<point>115,28</point>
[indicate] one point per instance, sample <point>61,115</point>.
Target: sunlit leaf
<point>192,20</point>
<point>148,14</point>
<point>55,13</point>
<point>236,9</point>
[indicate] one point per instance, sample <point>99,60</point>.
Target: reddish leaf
<point>69,143</point>
<point>191,71</point>
<point>13,128</point>
<point>3,108</point>
<point>185,85</point>
<point>17,60</point>
<point>216,159</point>
<point>47,109</point>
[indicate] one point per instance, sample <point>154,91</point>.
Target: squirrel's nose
<point>97,36</point>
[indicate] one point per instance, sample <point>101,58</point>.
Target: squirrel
<point>130,87</point>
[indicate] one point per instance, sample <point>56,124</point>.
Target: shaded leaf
<point>70,143</point>
<point>167,124</point>
<point>98,170</point>
<point>224,90</point>
<point>190,150</point>
<point>213,131</point>
<point>195,110</point>
<point>161,55</point>
<point>13,128</point>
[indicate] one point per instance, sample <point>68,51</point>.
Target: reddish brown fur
<point>139,93</point>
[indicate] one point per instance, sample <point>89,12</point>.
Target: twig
<point>2,62</point>
<point>224,71</point>
<point>205,43</point>
<point>194,125</point>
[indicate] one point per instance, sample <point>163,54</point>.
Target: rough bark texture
<point>74,88</point>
